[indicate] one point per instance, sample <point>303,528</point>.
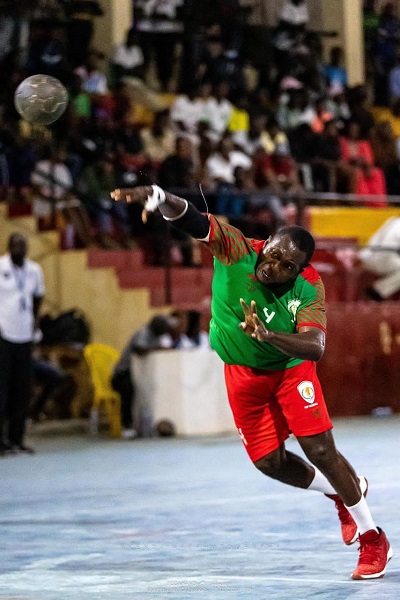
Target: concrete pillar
<point>112,27</point>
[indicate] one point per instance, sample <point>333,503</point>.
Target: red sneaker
<point>375,553</point>
<point>350,531</point>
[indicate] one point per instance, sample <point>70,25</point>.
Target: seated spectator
<point>367,179</point>
<point>295,109</point>
<point>277,173</point>
<point>127,58</point>
<point>327,166</point>
<point>185,112</point>
<point>80,103</point>
<point>322,116</point>
<point>381,256</point>
<point>385,151</point>
<point>273,139</point>
<point>94,186</point>
<point>94,80</point>
<point>239,123</point>
<point>221,164</point>
<point>177,170</point>
<point>159,139</point>
<point>220,173</point>
<point>219,110</point>
<point>198,337</point>
<point>250,141</point>
<point>161,333</point>
<point>51,383</point>
<point>336,103</point>
<point>52,187</point>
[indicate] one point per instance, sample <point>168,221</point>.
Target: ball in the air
<point>41,99</point>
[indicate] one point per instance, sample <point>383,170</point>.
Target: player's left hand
<point>252,325</point>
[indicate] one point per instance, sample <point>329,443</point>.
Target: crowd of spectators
<point>251,128</point>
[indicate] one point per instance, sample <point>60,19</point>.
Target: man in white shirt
<point>382,257</point>
<point>21,293</point>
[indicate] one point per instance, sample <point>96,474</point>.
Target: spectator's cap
<point>290,83</point>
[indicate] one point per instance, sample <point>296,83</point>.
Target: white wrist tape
<point>155,199</point>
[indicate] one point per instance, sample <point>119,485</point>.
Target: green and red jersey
<point>282,308</point>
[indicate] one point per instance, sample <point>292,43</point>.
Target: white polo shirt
<point>18,287</point>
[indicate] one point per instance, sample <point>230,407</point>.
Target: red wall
<point>360,370</point>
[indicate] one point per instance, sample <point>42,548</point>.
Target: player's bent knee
<point>269,465</point>
<point>321,455</point>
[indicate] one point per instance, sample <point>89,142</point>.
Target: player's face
<point>280,261</point>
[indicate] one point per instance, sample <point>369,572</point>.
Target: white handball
<point>41,99</point>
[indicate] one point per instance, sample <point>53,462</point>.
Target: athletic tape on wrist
<point>155,199</point>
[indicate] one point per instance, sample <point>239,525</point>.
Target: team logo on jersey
<point>293,305</point>
<point>306,391</point>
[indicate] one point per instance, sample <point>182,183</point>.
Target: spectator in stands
<point>198,336</point>
<point>336,103</point>
<point>360,109</point>
<point>295,109</point>
<point>127,58</point>
<point>80,103</point>
<point>177,171</point>
<point>385,151</point>
<point>277,172</point>
<point>161,333</point>
<point>47,53</point>
<point>159,139</point>
<point>189,109</point>
<point>357,153</point>
<point>381,256</point>
<point>394,81</point>
<point>159,27</point>
<point>327,167</point>
<point>81,16</point>
<point>239,122</point>
<point>294,15</point>
<point>334,71</point>
<point>94,80</point>
<point>222,164</point>
<point>53,195</point>
<point>388,35</point>
<point>250,141</point>
<point>322,116</point>
<point>219,110</point>
<point>94,186</point>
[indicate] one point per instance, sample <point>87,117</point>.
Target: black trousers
<point>122,383</point>
<point>15,390</point>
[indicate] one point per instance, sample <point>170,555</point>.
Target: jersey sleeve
<point>226,243</point>
<point>312,313</point>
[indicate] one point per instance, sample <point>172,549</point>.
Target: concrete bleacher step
<point>138,278</point>
<point>119,259</point>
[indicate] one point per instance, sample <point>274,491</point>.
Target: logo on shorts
<point>306,391</point>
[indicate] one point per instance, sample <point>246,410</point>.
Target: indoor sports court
<point>177,519</point>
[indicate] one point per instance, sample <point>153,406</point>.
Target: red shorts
<point>269,405</point>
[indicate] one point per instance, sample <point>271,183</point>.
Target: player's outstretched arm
<point>182,213</point>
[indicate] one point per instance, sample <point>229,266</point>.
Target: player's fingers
<point>253,306</point>
<point>246,309</point>
<point>256,319</point>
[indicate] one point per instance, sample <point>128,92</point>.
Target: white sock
<point>321,484</point>
<point>362,516</point>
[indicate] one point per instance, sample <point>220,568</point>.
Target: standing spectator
<point>81,16</point>
<point>334,71</point>
<point>127,58</point>
<point>21,293</point>
<point>219,110</point>
<point>160,27</point>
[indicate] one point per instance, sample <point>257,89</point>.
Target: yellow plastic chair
<point>101,360</point>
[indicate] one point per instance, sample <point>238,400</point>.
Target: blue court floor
<point>88,519</point>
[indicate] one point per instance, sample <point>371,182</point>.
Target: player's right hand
<point>136,194</point>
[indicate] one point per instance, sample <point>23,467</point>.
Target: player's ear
<point>267,241</point>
